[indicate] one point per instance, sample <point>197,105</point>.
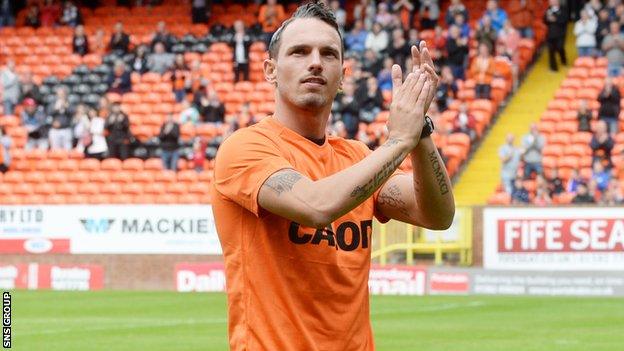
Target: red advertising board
<point>51,276</point>
<point>13,276</point>
<point>34,246</point>
<point>449,283</point>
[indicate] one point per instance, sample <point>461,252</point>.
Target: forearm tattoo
<point>437,171</point>
<point>391,197</point>
<point>283,181</point>
<point>362,192</point>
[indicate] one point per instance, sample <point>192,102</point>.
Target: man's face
<point>308,68</point>
<point>118,27</point>
<point>491,5</point>
<point>615,28</point>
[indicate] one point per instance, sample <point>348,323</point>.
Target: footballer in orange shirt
<point>294,206</point>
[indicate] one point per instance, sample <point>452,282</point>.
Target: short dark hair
<point>313,9</point>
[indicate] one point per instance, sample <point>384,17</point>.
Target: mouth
<point>314,81</point>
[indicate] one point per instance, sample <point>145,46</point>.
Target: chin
<point>312,101</point>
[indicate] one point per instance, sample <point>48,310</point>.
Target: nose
<point>315,64</point>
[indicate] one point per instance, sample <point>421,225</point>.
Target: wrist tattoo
<point>361,192</point>
<point>283,181</point>
<point>437,171</point>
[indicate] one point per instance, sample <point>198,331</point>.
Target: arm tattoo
<point>390,142</point>
<point>283,181</point>
<point>437,171</point>
<point>362,192</point>
<point>391,197</point>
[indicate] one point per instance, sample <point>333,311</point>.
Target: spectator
<point>602,30</point>
<point>118,127</point>
<point>60,134</point>
<point>169,142</point>
<point>198,11</point>
<point>510,158</point>
<point>399,50</point>
<point>413,38</point>
<point>71,15</point>
<point>455,8</point>
<point>199,155</point>
<point>482,71</point>
<point>119,81</point>
<point>180,78</point>
<point>96,147</point>
<point>32,17</point>
<point>377,40</point>
<point>119,41</point>
<point>533,143</point>
<point>163,36</point>
<point>340,14</point>
<point>574,181</point>
<point>104,107</point>
<point>496,14</point>
<point>384,78</point>
<point>139,61</point>
<point>593,8</point>
<point>7,15</point>
<point>241,42</point>
<point>583,196</point>
<point>521,15</point>
<point>556,22</point>
<point>346,108</point>
<point>371,65</point>
<point>271,16</point>
<point>10,87</point>
<point>29,89</point>
<point>406,11</point>
<point>609,110</point>
<point>584,116</point>
<point>508,38</point>
<point>370,101</point>
<point>365,11</point>
<point>585,31</point>
<point>601,176</point>
<point>613,195</point>
<point>98,44</point>
<point>520,195</point>
<point>5,145</point>
<point>447,89</point>
<point>80,42</point>
<point>189,114</point>
<point>429,13</point>
<point>34,120</point>
<point>383,17</point>
<point>601,145</point>
<point>50,13</point>
<point>486,34</point>
<point>196,78</point>
<point>465,122</point>
<point>211,109</point>
<point>160,61</point>
<point>438,53</point>
<point>355,40</point>
<point>80,126</point>
<point>542,198</point>
<point>244,117</point>
<point>464,28</point>
<point>457,49</point>
<point>555,184</point>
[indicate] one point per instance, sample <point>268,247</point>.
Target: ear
<point>270,71</point>
<point>344,73</point>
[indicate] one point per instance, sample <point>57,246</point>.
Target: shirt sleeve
<point>244,162</point>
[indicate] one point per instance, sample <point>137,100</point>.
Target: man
<point>613,48</point>
<point>163,36</point>
<point>496,14</point>
<point>294,207</point>
<point>510,157</point>
<point>240,43</point>
<point>119,41</point>
<point>532,143</point>
<point>10,87</point>
<point>556,22</point>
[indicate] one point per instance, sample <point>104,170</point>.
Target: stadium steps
<point>482,174</point>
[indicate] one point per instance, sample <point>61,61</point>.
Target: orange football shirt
<point>291,287</point>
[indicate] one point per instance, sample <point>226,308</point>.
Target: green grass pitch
<point>110,320</point>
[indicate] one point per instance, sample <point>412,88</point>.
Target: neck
<point>310,124</point>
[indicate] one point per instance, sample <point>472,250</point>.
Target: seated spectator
<point>609,99</point>
<point>613,195</point>
<point>585,31</point>
<point>429,13</point>
<point>32,17</point>
<point>533,143</point>
<point>34,120</point>
<point>119,81</point>
<point>60,134</point>
<point>189,113</point>
<point>486,34</point>
<point>383,17</point>
<point>465,122</point>
<point>370,101</point>
<point>119,41</point>
<point>163,36</point>
<point>199,155</point>
<point>542,198</point>
<point>196,79</point>
<point>10,87</point>
<point>555,184</point>
<point>457,49</point>
<point>70,15</point>
<point>5,146</point>
<point>98,44</point>
<point>80,125</point>
<point>601,176</point>
<point>613,48</point>
<point>160,61</point>
<point>180,78</point>
<point>399,50</point>
<point>521,16</point>
<point>93,141</point>
<point>482,71</point>
<point>574,181</point>
<point>496,14</point>
<point>509,38</point>
<point>384,78</point>
<point>50,13</point>
<point>583,196</point>
<point>198,11</point>
<point>211,109</point>
<point>139,61</point>
<point>80,42</point>
<point>377,40</point>
<point>29,89</point>
<point>118,127</point>
<point>241,42</point>
<point>464,28</point>
<point>510,158</point>
<point>520,194</point>
<point>355,40</point>
<point>371,64</point>
<point>169,137</point>
<point>447,89</point>
<point>346,108</point>
<point>455,8</point>
<point>271,16</point>
<point>584,116</point>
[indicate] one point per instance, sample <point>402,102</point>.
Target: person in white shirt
<point>585,31</point>
<point>377,40</point>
